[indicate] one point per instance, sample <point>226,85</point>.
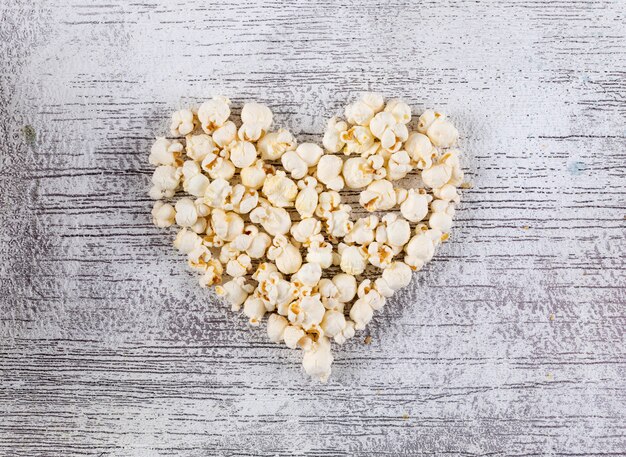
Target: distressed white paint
<point>510,343</point>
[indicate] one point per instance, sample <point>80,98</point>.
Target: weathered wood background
<point>512,342</point>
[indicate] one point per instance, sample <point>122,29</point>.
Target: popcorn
<point>186,212</point>
<point>379,195</point>
<point>329,172</point>
<point>353,259</point>
<point>318,360</point>
<point>389,131</point>
<point>165,152</point>
<point>254,309</point>
<point>182,122</point>
<point>285,255</point>
<point>163,214</point>
<point>242,153</point>
<point>415,206</point>
<point>235,292</point>
<point>255,202</point>
<point>273,145</point>
<point>226,134</point>
<point>213,114</point>
<point>165,180</point>
<point>333,141</point>
<point>253,176</point>
<point>280,190</point>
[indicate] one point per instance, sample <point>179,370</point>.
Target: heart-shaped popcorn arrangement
<point>263,219</point>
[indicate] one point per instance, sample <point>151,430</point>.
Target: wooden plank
<point>510,343</point>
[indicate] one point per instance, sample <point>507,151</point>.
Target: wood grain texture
<point>511,342</point>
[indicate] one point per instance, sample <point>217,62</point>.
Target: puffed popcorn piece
<point>373,100</point>
<point>419,250</point>
<point>254,309</point>
<point>399,110</point>
<point>333,323</point>
<point>338,223</point>
<point>276,292</point>
<point>383,288</point>
<point>165,180</point>
<point>311,153</point>
<point>440,221</point>
<point>380,255</point>
<point>367,291</point>
<point>426,120</point>
<point>358,140</point>
<point>448,193</point>
<point>437,176</point>
<point>163,214</point>
<point>317,361</point>
<point>397,275</point>
<point>186,241</point>
<point>329,170</point>
<point>363,230</point>
<point>309,274</point>
<point>258,115</point>
<point>219,168</point>
<point>359,113</point>
<point>212,274</point>
<point>280,190</point>
<point>214,113</point>
<point>226,225</point>
<point>379,196</point>
<point>294,164</point>
<point>346,284</point>
<point>399,165</point>
<point>242,153</point>
<point>235,291</point>
<point>243,200</point>
<point>165,152</point>
<point>359,172</point>
<point>353,259</point>
<point>264,270</point>
<point>361,313</point>
<point>452,159</point>
<point>321,253</point>
<point>239,266</point>
<point>273,145</point>
<point>226,134</point>
<point>254,175</point>
<point>259,245</point>
<point>307,312</point>
<point>199,146</point>
<point>285,255</point>
<point>332,137</point>
<point>182,122</point>
<point>442,133</point>
<point>308,198</point>
<point>275,221</point>
<point>390,132</point>
<point>196,185</point>
<point>328,201</point>
<point>218,193</point>
<point>306,229</point>
<point>186,212</point>
<point>200,225</point>
<point>190,169</point>
<point>420,149</point>
<point>276,325</point>
<point>415,207</point>
<point>293,335</point>
<point>398,230</point>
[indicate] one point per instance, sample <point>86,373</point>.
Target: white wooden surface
<point>510,343</point>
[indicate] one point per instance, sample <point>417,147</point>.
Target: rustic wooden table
<point>512,342</point>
